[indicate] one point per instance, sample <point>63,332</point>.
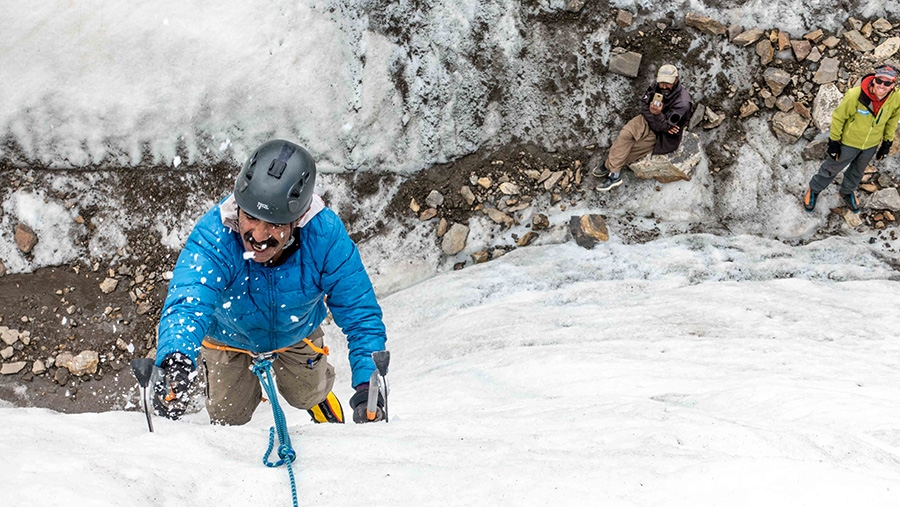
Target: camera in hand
<point>657,99</point>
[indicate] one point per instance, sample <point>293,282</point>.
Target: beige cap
<point>667,74</point>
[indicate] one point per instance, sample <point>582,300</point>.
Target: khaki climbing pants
<point>635,140</point>
<point>303,376</point>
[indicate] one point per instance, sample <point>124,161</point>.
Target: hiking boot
<point>600,171</point>
<point>809,200</point>
<point>612,181</point>
<point>850,199</point>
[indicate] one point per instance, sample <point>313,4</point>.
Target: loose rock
<point>455,240</point>
<point>25,237</point>
<point>588,230</point>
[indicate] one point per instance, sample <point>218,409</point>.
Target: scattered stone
<point>509,188</point>
<point>467,194</point>
<point>827,100</point>
<point>882,25</point>
<point>801,49</point>
<point>856,41</point>
<point>815,150</point>
<point>428,214</point>
<point>480,257</point>
<point>2,268</point>
<point>815,36</point>
<point>713,118</point>
<point>455,240</point>
<point>889,216</point>
<point>12,368</point>
<point>789,127</point>
<point>414,206</point>
<point>868,187</point>
<point>442,228</point>
<point>734,31</point>
<point>765,51</point>
<point>575,5</point>
<point>588,230</point>
<point>434,199</point>
<point>624,18</point>
<point>627,63</point>
<point>108,285</point>
<point>7,353</point>
<point>84,363</point>
<point>540,221</point>
<point>485,182</point>
<point>887,49</point>
<point>748,37</point>
<point>25,237</point>
<point>802,110</point>
<point>852,219</point>
<point>828,71</point>
<point>704,24</point>
<point>784,40</point>
<point>143,308</point>
<point>9,336</point>
<point>499,217</point>
<point>785,103</point>
<point>886,198</point>
<point>527,239</point>
<point>855,23</point>
<point>776,79</point>
<point>831,42</point>
<point>675,166</point>
<point>61,376</point>
<point>748,108</point>
<point>814,55</point>
<point>38,367</point>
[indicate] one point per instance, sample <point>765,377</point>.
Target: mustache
<point>270,242</point>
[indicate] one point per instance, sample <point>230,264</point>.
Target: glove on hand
<point>171,393</point>
<point>883,150</point>
<point>834,149</point>
<point>358,403</point>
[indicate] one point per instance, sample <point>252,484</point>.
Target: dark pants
<point>852,159</point>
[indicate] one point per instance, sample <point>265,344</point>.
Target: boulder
<point>84,363</point>
<point>827,100</point>
<point>588,230</point>
<point>789,127</point>
<point>886,198</point>
<point>624,18</point>
<point>626,63</point>
<point>12,368</point>
<point>675,166</point>
<point>815,150</point>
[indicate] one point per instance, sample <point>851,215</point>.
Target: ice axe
<point>378,384</point>
<point>143,370</point>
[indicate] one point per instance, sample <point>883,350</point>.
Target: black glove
<point>834,149</point>
<point>171,393</point>
<point>883,150</point>
<point>358,404</point>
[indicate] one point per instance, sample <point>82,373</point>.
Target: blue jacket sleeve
<point>351,299</point>
<point>199,275</point>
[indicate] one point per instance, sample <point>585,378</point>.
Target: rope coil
<point>262,368</point>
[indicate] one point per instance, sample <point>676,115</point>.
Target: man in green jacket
<point>866,117</point>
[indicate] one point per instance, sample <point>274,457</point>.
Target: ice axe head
<point>143,369</point>
<point>382,358</point>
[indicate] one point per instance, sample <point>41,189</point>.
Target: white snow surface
<point>551,376</point>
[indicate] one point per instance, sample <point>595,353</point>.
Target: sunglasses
<point>884,82</point>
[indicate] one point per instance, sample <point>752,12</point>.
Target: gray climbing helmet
<point>276,183</point>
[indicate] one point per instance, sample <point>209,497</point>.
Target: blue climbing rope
<point>262,367</point>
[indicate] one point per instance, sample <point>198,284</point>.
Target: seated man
<point>665,111</point>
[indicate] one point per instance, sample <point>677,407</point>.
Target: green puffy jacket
<point>854,123</point>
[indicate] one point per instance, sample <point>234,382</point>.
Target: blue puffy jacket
<point>215,292</point>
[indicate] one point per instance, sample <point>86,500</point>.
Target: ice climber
<point>865,119</point>
<point>253,278</point>
<point>665,112</point>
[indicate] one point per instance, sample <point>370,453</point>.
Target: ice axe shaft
<point>378,384</point>
<point>143,370</point>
